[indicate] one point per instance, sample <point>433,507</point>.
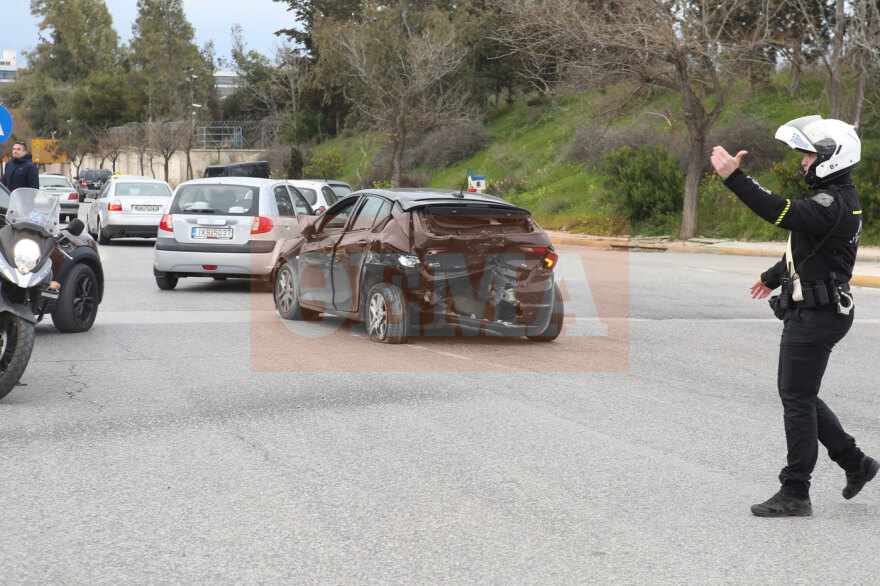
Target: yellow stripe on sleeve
<point>856,212</point>
<point>785,211</point>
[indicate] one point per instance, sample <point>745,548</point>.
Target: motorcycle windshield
<point>35,206</point>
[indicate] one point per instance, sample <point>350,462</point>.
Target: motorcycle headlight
<point>27,255</point>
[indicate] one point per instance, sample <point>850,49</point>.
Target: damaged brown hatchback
<point>423,261</point>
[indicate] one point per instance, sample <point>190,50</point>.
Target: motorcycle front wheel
<point>16,343</point>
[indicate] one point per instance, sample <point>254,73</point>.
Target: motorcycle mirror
<point>75,227</point>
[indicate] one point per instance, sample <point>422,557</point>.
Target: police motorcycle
<point>28,237</point>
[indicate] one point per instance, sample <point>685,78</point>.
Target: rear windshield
<point>239,170</point>
<point>473,220</point>
<point>54,182</point>
<point>96,174</point>
<point>148,189</point>
<point>340,190</point>
<point>310,194</point>
<point>236,200</point>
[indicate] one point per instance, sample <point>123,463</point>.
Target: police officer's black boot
<point>792,500</point>
<point>856,480</point>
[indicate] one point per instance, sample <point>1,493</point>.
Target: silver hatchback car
<point>61,187</point>
<point>226,227</point>
<point>127,207</point>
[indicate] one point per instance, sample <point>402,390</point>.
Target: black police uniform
<point>812,327</point>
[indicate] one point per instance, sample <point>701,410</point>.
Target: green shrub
<point>325,166</point>
<point>722,215</point>
<point>646,184</point>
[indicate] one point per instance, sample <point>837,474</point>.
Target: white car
<point>127,207</point>
<point>226,227</point>
<point>321,193</point>
<point>61,187</point>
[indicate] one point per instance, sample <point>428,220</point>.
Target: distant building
<point>8,67</point>
<point>226,83</point>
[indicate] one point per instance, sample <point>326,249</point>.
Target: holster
<point>779,303</point>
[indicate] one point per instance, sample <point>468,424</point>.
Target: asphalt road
<point>191,437</point>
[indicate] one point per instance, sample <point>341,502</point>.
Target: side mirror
<point>75,227</point>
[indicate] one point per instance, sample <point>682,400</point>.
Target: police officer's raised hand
<point>759,290</point>
<point>725,164</point>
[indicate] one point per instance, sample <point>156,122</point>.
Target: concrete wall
<point>128,163</point>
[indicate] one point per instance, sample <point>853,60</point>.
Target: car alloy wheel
<point>387,318</point>
<point>285,291</point>
<point>286,295</point>
<point>377,323</point>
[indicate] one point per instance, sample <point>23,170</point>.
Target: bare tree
<point>289,79</point>
<point>166,138</point>
<point>110,142</point>
<point>135,136</point>
<point>694,48</point>
<point>401,70</point>
<point>864,40</point>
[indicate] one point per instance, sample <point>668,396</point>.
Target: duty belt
<point>821,293</point>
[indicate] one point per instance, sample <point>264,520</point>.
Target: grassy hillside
<point>535,157</point>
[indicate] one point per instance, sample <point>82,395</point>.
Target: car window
<point>310,194</point>
<point>299,203</point>
<point>367,213</point>
<point>104,190</point>
<point>96,174</point>
<point>216,199</point>
<point>282,200</point>
<point>340,190</point>
<point>148,189</point>
<point>50,181</point>
<point>329,195</point>
<point>337,217</point>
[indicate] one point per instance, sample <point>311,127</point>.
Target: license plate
<point>212,233</point>
<point>146,208</point>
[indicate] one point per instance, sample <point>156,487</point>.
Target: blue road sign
<point>5,124</point>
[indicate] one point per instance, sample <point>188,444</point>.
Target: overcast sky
<point>212,20</point>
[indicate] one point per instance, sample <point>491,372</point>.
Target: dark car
<point>417,260</point>
<point>90,182</point>
<point>81,277</point>
<point>247,169</point>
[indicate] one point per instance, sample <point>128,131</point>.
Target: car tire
<point>16,344</point>
<point>77,304</point>
<point>385,314</point>
<point>286,295</point>
<point>101,237</point>
<point>166,281</point>
<point>557,313</point>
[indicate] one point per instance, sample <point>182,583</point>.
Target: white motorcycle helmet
<point>835,142</point>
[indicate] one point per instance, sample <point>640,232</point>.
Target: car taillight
<point>84,183</point>
<point>165,223</point>
<point>73,196</point>
<point>261,225</point>
<point>209,267</point>
<point>114,206</point>
<point>549,257</point>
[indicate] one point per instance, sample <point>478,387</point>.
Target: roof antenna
<point>461,193</point>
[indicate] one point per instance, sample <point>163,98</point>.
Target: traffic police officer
<point>815,302</point>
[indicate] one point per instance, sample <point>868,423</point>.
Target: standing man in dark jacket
<point>815,302</point>
<point>21,170</point>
